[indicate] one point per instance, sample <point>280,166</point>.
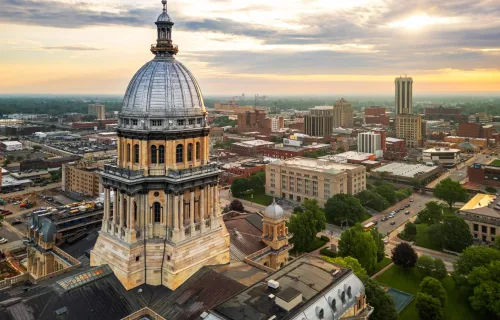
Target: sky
<point>254,46</point>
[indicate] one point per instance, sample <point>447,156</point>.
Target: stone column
<point>121,214</point>
<point>181,215</point>
<point>106,210</point>
<point>176,212</point>
<point>115,211</point>
<point>217,201</point>
<point>130,205</point>
<point>191,212</point>
<point>202,209</point>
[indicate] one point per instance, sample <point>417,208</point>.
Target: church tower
<point>275,235</point>
<point>162,219</point>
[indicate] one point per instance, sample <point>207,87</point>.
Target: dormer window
<point>134,122</point>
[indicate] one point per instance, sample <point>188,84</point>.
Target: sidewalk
<point>382,270</point>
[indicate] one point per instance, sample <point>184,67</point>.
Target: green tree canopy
<point>379,241</point>
<point>348,262</point>
<point>410,231</point>
<point>258,182</point>
<point>428,307</point>
<point>319,216</point>
<point>496,244</point>
<point>386,190</point>
<point>456,234</point>
<point>239,186</point>
<point>433,287</point>
<point>486,283</point>
<point>359,244</point>
<point>439,271</point>
<point>471,257</point>
<point>432,214</point>
<point>404,256</point>
<point>236,205</point>
<point>450,192</point>
<point>373,200</point>
<point>344,207</point>
<point>380,300</point>
<point>431,267</point>
<point>303,227</point>
<point>435,234</point>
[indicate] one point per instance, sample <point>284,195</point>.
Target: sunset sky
<point>254,46</point>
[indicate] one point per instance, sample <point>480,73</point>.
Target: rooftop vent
<point>203,315</point>
<point>273,284</point>
<point>61,311</point>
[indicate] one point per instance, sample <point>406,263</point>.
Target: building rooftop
<point>321,165</point>
<point>253,143</point>
<point>393,140</point>
<point>245,232</point>
<point>404,169</point>
<point>11,143</point>
<point>349,155</point>
<point>441,150</point>
<point>306,285</point>
<point>322,108</point>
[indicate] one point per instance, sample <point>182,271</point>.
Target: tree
<point>486,283</point>
<point>472,257</point>
<point>236,205</point>
<point>380,300</point>
<point>432,214</point>
<point>496,244</point>
<point>456,234</point>
<point>450,192</point>
<point>357,243</point>
<point>425,264</point>
<point>490,189</point>
<point>373,200</point>
<point>410,231</point>
<point>379,241</point>
<point>258,182</point>
<point>239,186</point>
<point>386,190</point>
<point>340,149</point>
<point>435,234</point>
<point>439,271</point>
<point>348,262</point>
<point>319,216</point>
<point>303,227</point>
<point>36,147</point>
<point>428,307</point>
<point>434,288</point>
<point>404,256</point>
<point>344,207</point>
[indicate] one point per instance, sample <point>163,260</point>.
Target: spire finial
<point>164,2</point>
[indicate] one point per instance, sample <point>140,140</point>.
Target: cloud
<point>72,48</point>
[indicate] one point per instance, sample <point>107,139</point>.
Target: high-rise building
<point>404,95</point>
<point>319,122</point>
<point>343,115</point>
<point>409,128</point>
<point>370,142</point>
<point>165,221</point>
<point>98,110</point>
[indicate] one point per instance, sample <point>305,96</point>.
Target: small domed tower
<point>275,234</point>
<point>164,223</point>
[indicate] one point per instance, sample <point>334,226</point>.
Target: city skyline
<point>301,47</point>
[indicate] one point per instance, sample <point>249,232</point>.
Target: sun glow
<point>420,21</point>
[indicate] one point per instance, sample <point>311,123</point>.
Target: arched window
<point>157,211</point>
<point>135,212</point>
<point>153,155</point>
<point>161,154</point>
<point>197,151</point>
<point>179,153</point>
<point>124,213</point>
<point>136,153</point>
<point>128,152</point>
<point>190,152</point>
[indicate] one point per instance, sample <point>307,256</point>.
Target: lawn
<point>457,307</point>
<point>423,238</point>
<point>262,199</point>
<point>381,265</point>
<point>495,163</point>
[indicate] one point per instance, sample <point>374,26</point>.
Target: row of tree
<point>382,195</point>
<point>256,184</point>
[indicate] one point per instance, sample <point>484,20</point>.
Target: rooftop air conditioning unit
<point>273,284</point>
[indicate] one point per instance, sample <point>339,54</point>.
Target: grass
<point>457,307</point>
<point>381,265</point>
<point>262,199</point>
<point>495,163</point>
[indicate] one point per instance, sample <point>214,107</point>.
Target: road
<point>460,171</point>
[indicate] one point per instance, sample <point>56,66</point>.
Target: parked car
<point>3,240</point>
<point>14,223</point>
<point>407,212</point>
<point>411,200</point>
<point>393,223</point>
<point>402,209</point>
<point>407,206</point>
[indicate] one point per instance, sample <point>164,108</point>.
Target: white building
<point>444,156</point>
<point>11,146</point>
<point>370,142</point>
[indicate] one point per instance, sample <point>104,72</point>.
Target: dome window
<point>191,122</point>
<point>136,153</point>
<point>154,156</point>
<point>180,122</point>
<point>157,212</point>
<point>161,155</point>
<point>320,312</point>
<point>134,122</point>
<point>197,151</point>
<point>179,153</point>
<point>190,152</point>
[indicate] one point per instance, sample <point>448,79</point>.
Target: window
<point>198,121</point>
<point>136,153</point>
<point>153,155</point>
<point>493,231</point>
<point>179,156</point>
<point>161,154</point>
<point>484,229</point>
<point>191,122</point>
<point>135,211</point>
<point>197,151</point>
<point>128,152</point>
<point>126,121</point>
<point>156,123</point>
<point>190,152</point>
<point>157,211</point>
<point>134,122</point>
<point>484,238</point>
<point>180,122</point>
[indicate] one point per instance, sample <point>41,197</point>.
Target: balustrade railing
<point>156,171</point>
<point>124,172</point>
<point>183,173</point>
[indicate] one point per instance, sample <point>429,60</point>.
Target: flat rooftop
<point>393,140</point>
<point>404,169</point>
<point>321,165</point>
<point>253,143</point>
<point>441,150</point>
<point>349,155</point>
<point>322,108</point>
<point>483,205</point>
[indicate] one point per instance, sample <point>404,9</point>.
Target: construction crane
<point>25,203</point>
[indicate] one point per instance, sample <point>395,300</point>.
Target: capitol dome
<point>274,211</point>
<point>163,87</point>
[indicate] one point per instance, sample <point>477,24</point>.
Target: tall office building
<point>409,127</point>
<point>319,122</point>
<point>98,110</point>
<point>370,142</point>
<point>404,95</point>
<point>343,115</point>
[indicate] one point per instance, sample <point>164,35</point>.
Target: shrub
<point>325,238</point>
<point>327,252</point>
<point>490,189</point>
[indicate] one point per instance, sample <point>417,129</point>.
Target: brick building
<point>100,124</point>
<point>81,177</point>
<point>376,115</point>
<point>251,147</point>
<point>445,113</point>
<point>484,174</point>
<point>395,149</point>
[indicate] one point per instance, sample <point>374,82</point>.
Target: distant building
<point>81,178</point>
<point>479,142</point>
<point>370,142</point>
<point>475,130</point>
<point>480,117</point>
<point>444,113</point>
<point>485,174</point>
<point>343,115</point>
<point>298,179</point>
<point>409,128</point>
<point>232,107</point>
<point>395,149</point>
<point>350,157</point>
<point>251,147</point>
<point>397,171</point>
<point>482,215</point>
<point>320,121</point>
<point>7,146</point>
<point>443,156</point>
<point>98,110</point>
<point>376,115</point>
<point>404,95</point>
